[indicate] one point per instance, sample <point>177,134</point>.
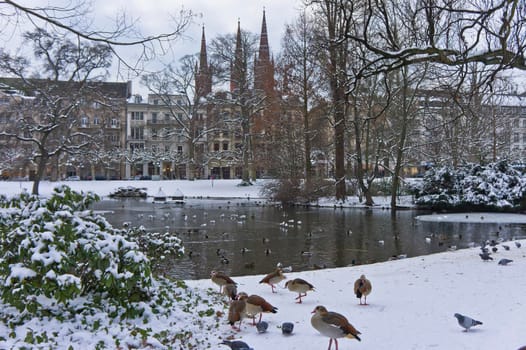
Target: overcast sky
<point>219,17</point>
<point>154,17</point>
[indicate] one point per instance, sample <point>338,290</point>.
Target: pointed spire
<point>203,77</point>
<point>203,61</point>
<point>264,50</point>
<point>236,72</point>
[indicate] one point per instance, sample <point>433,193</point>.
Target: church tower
<point>264,67</point>
<point>238,67</point>
<point>203,77</point>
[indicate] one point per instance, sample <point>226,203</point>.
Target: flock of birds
<point>329,323</point>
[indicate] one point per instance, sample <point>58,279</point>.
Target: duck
<point>362,287</point>
<point>299,286</point>
<point>255,305</point>
<point>273,278</point>
<point>333,325</point>
<point>221,279</point>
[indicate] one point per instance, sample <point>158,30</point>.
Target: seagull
<point>332,325</point>
<point>299,286</point>
<point>466,322</point>
<point>256,305</point>
<point>273,278</point>
<point>221,279</point>
<point>362,287</point>
<point>236,345</point>
<point>504,261</point>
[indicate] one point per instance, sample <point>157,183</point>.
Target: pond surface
<point>246,237</point>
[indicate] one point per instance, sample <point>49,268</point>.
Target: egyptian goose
<point>273,278</point>
<point>221,279</point>
<point>237,312</point>
<point>230,290</point>
<point>362,287</point>
<point>299,286</point>
<point>256,305</point>
<point>332,325</point>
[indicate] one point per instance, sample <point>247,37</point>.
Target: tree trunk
<point>41,166</point>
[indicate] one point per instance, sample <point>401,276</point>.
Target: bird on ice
<point>504,261</point>
<point>221,279</point>
<point>273,278</point>
<point>236,345</point>
<point>362,287</point>
<point>333,325</point>
<point>256,305</point>
<point>466,322</point>
<point>299,286</point>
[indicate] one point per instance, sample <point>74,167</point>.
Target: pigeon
<point>362,287</point>
<point>466,322</point>
<point>236,345</point>
<point>287,327</point>
<point>504,261</point>
<point>517,244</point>
<point>262,326</point>
<point>299,286</point>
<point>333,325</point>
<point>273,278</point>
<point>506,247</point>
<point>485,256</point>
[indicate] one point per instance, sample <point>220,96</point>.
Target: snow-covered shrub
<point>473,186</point>
<point>53,250</point>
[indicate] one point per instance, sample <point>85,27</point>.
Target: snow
<point>411,305</point>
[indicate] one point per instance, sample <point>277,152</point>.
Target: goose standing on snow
<point>333,325</point>
<point>221,279</point>
<point>273,278</point>
<point>362,287</point>
<point>299,286</point>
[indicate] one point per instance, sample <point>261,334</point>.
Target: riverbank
<point>411,305</point>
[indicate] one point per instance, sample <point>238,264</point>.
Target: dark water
<point>330,237</point>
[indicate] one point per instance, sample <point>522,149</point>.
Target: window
<point>137,115</point>
<point>515,123</point>
<point>179,149</point>
<point>136,146</point>
<point>84,122</point>
<point>524,138</point>
<point>154,133</point>
<point>154,117</point>
<point>114,123</point>
<point>524,123</point>
<point>216,147</point>
<point>516,137</point>
<point>96,121</point>
<point>225,146</point>
<point>137,133</point>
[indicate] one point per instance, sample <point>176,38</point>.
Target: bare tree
<point>46,111</point>
<point>301,81</point>
<point>451,33</point>
<point>70,18</point>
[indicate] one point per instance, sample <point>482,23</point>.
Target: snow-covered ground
<point>411,305</point>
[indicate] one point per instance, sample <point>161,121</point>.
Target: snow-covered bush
<point>53,250</point>
<point>473,186</point>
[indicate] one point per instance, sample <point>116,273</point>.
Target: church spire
<point>203,77</point>
<point>264,50</point>
<point>263,67</point>
<point>237,69</point>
